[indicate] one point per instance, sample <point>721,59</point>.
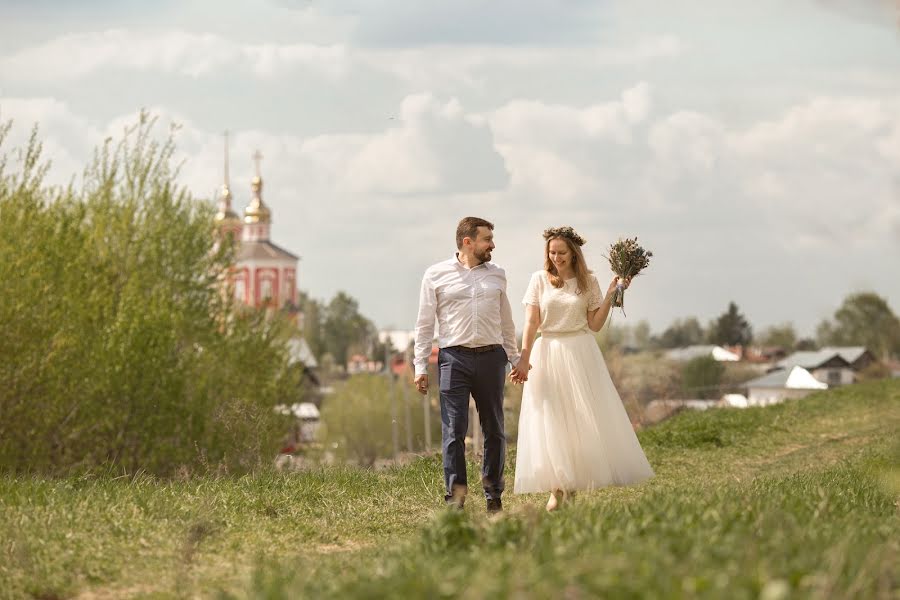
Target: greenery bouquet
<point>626,259</point>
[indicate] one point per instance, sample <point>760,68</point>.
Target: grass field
<point>800,500</point>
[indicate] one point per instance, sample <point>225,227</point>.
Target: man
<point>466,297</point>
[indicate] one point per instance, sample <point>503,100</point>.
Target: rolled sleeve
<point>508,329</point>
<point>425,325</point>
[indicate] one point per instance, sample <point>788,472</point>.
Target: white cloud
<point>75,56</point>
<point>418,22</point>
<point>431,148</point>
<point>687,141</point>
<point>535,122</point>
<point>67,139</point>
<point>447,66</point>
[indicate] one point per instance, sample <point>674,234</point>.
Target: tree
<point>312,311</point>
<point>864,319</point>
<point>640,335</point>
<point>344,329</point>
<point>702,376</point>
<point>782,336</point>
<point>731,328</point>
<point>119,345</point>
<point>805,344</point>
<point>682,333</point>
<point>357,419</point>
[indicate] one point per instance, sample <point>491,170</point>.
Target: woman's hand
<point>519,373</point>
<point>615,282</point>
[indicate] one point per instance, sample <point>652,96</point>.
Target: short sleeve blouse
<point>564,309</point>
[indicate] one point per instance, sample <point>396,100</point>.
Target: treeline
<point>336,330</point>
<point>863,319</point>
<point>117,345</point>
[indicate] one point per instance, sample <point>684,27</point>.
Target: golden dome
<point>257,211</point>
<point>225,215</point>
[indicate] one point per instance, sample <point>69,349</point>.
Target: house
<point>306,425</point>
<point>360,363</point>
<point>759,354</point>
<point>858,357</point>
<point>691,352</point>
<point>827,365</point>
<point>781,385</point>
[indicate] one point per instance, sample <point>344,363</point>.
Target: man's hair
<point>468,228</point>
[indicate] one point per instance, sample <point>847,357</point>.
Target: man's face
<point>483,244</point>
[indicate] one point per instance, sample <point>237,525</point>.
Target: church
<point>264,274</point>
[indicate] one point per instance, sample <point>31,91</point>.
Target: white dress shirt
<point>470,308</point>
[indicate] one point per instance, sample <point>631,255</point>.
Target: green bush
<point>357,419</point>
<point>118,345</point>
<point>702,376</point>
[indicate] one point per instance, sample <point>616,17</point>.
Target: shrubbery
<point>118,346</point>
<point>358,419</point>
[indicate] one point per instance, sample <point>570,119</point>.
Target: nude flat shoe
<point>555,500</point>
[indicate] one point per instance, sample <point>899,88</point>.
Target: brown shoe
<point>458,499</point>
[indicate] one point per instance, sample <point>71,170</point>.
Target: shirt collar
<point>455,260</point>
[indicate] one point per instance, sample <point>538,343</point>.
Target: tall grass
<point>793,501</point>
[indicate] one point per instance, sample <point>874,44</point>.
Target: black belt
<point>477,350</point>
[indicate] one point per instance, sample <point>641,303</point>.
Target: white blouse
<point>563,310</point>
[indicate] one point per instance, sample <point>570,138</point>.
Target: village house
<point>780,385</point>
<point>691,352</point>
<point>832,365</point>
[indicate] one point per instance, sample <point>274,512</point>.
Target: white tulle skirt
<point>574,433</point>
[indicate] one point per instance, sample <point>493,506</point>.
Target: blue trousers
<point>482,376</point>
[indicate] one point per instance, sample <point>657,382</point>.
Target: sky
<point>753,147</point>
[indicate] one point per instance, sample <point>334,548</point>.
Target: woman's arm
<point>597,318</point>
<point>532,323</point>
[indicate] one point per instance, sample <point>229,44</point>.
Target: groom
<point>466,297</point>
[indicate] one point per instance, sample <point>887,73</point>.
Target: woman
<point>574,433</point>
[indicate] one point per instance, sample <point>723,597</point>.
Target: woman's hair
<point>574,242</point>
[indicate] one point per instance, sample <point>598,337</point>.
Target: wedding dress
<point>574,433</point>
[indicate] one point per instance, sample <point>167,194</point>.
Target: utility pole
<point>390,374</point>
<point>407,413</point>
<point>426,405</point>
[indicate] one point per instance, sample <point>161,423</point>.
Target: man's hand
<point>519,373</point>
<point>421,382</point>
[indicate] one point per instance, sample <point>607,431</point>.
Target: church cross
<point>257,156</point>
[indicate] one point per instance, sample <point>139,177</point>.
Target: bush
<point>702,376</point>
<point>357,419</point>
<point>118,345</point>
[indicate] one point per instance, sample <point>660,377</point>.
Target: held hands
<point>519,373</point>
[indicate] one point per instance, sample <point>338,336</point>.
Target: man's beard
<point>483,256</point>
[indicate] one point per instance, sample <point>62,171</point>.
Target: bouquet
<point>626,259</point>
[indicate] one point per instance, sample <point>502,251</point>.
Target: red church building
<point>265,275</point>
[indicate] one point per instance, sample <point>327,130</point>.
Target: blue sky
<point>754,147</point>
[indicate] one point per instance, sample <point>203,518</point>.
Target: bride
<point>574,433</point>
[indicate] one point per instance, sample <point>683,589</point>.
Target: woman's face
<point>559,254</point>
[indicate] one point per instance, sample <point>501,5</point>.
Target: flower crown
<point>566,232</point>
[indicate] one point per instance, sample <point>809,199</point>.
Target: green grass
<point>800,500</point>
